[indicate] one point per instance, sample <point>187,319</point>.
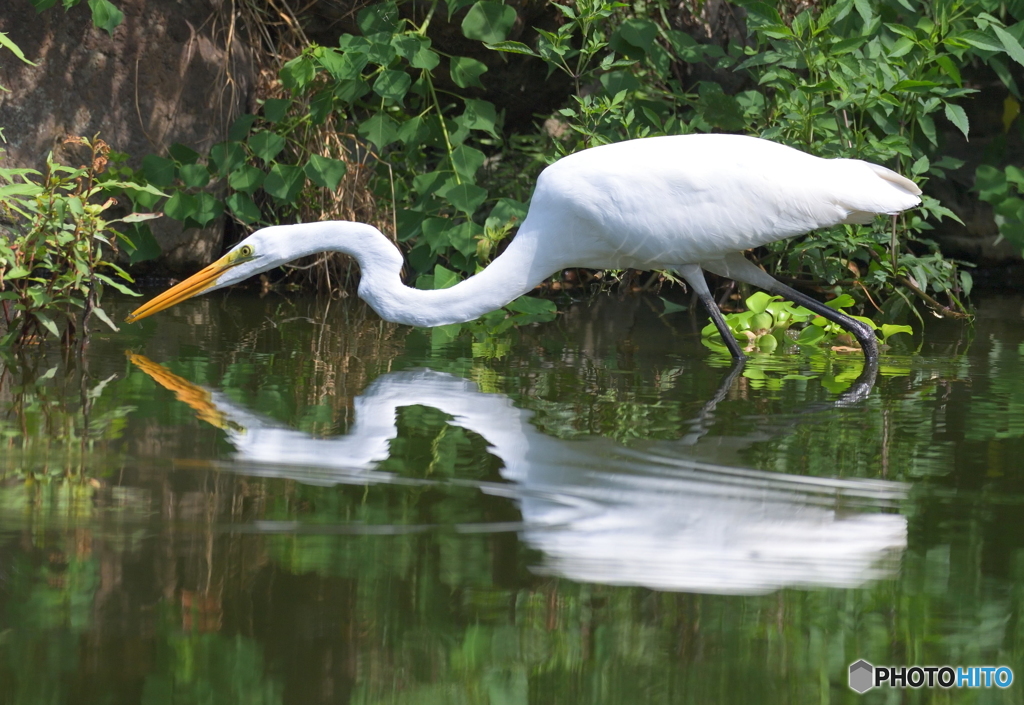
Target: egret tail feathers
<point>879,190</point>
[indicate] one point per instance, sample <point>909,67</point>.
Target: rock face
<point>167,74</point>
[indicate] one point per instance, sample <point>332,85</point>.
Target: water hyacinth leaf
<point>466,197</point>
<point>325,172</point>
<point>467,160</point>
<point>266,145</point>
<point>227,156</point>
<point>958,116</point>
<point>840,302</point>
<point>274,109</point>
<point>284,182</point>
<point>466,72</point>
<point>105,15</point>
<point>380,130</point>
<point>889,330</point>
<point>758,302</point>
<point>392,85</point>
<point>243,208</point>
<point>207,208</point>
<point>488,21</point>
<point>246,179</point>
<point>194,175</point>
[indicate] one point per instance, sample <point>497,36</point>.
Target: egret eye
<point>245,251</point>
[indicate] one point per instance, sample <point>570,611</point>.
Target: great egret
<point>681,203</point>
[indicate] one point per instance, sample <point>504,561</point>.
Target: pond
<point>263,500</point>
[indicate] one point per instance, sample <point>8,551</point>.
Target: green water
<point>290,502</point>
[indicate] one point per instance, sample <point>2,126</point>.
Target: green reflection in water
<point>142,561</point>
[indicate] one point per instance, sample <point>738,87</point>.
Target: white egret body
<point>682,203</point>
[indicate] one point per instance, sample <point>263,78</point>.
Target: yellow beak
<point>196,284</point>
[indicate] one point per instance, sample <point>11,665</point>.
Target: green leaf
<point>105,15</point>
<point>246,179</point>
<point>479,115</point>
<point>958,116</point>
<point>284,182</point>
<point>466,197</point>
<point>47,323</point>
<point>392,85</point>
<point>325,172</point>
<point>382,17</point>
<point>641,33</point>
<point>102,315</point>
<point>41,5</point>
<point>671,307</point>
<point>444,278</point>
<point>980,40</point>
<point>207,208</point>
<point>239,129</point>
<point>194,175</point>
<point>16,273</point>
<point>243,208</point>
<point>158,170</point>
<point>513,48</point>
<point>380,130</point>
<point>949,68</point>
<point>274,109</point>
<point>810,335</point>
<point>180,206</point>
<point>227,156</point>
<point>182,154</point>
<point>840,302</point>
<point>426,59</point>
<point>758,301</point>
<point>13,48</point>
<point>298,73</point>
<point>889,329</point>
<point>466,72</point>
<point>140,217</point>
<point>488,21</point>
<point>467,160</point>
<point>266,145</point>
<point>1010,44</point>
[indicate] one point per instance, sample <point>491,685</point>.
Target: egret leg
<point>695,278</point>
<point>736,266</point>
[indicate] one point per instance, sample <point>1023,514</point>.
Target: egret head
<point>257,253</point>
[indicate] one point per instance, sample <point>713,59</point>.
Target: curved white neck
<point>515,272</point>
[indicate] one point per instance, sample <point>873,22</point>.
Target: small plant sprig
<point>55,259</point>
<point>767,326</point>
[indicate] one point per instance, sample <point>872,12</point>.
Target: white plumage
<point>682,203</point>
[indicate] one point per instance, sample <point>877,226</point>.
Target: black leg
<point>864,335</point>
<point>716,315</point>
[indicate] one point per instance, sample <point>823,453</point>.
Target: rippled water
<point>271,501</point>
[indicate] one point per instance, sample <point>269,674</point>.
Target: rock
<point>166,75</point>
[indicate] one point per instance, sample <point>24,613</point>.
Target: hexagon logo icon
<point>861,676</point>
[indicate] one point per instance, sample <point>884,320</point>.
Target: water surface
<point>284,501</point>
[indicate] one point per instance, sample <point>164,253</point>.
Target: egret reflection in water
<point>651,516</point>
